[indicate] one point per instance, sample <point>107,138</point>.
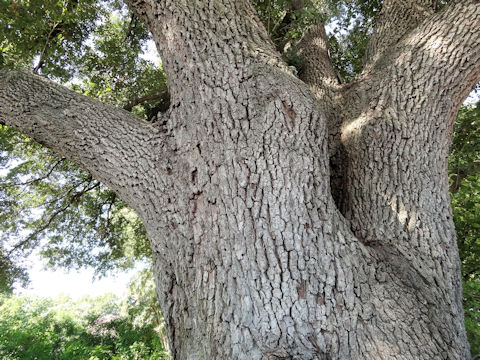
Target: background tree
<point>369,216</point>
<point>465,191</point>
<point>89,328</point>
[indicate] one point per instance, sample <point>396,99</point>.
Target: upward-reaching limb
<point>398,123</point>
<point>396,19</point>
<point>413,91</point>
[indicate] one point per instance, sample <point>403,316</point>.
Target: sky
<point>76,284</point>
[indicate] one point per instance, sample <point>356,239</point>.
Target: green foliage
<point>349,39</point>
<point>113,72</point>
<point>90,328</point>
<point>10,272</point>
<point>351,21</point>
<point>51,205</point>
<point>465,149</point>
<point>287,20</point>
<point>466,208</point>
<point>46,202</point>
<point>47,35</point>
<point>141,304</point>
<point>464,169</point>
<point>471,304</point>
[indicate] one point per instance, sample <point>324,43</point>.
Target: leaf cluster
<point>47,35</point>
<point>471,305</point>
<point>350,31</point>
<point>288,20</point>
<point>464,170</point>
<point>350,22</point>
<point>50,205</point>
<point>89,328</point>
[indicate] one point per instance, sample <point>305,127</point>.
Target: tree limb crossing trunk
<point>252,257</point>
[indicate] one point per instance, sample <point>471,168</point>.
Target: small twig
<point>110,206</point>
<point>54,216</point>
<point>46,176</point>
<point>41,59</point>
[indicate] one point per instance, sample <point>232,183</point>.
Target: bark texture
<point>254,258</point>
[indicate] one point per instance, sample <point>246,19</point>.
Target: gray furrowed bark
<point>117,147</point>
<point>397,18</point>
<point>252,257</point>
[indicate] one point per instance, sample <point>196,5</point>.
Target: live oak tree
<point>289,218</point>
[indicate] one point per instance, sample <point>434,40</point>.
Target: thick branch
<point>440,59</point>
<point>398,122</point>
<point>396,19</point>
<point>195,39</point>
<point>317,69</point>
<point>450,46</point>
<point>106,141</point>
<point>318,72</point>
<point>408,100</point>
<point>295,7</point>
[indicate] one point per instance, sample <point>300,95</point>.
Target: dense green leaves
<point>90,328</point>
<point>466,208</point>
<point>471,304</point>
<point>51,205</point>
<point>464,168</point>
<point>47,35</point>
<point>113,72</point>
<point>350,23</point>
<point>464,158</point>
<point>287,21</point>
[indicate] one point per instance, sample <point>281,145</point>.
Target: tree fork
<point>252,259</point>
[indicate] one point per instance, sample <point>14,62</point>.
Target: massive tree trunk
<point>253,256</point>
